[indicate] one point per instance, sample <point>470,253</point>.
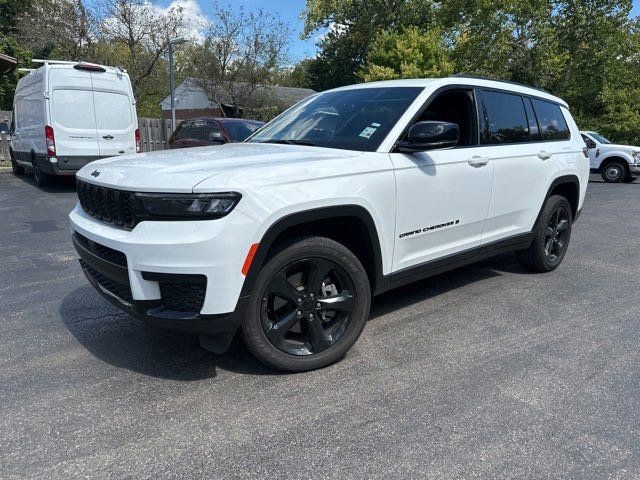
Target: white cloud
<point>194,19</point>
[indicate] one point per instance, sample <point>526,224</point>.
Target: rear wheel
<point>614,172</point>
<point>310,304</point>
<point>551,237</point>
<point>41,178</point>
<point>17,169</point>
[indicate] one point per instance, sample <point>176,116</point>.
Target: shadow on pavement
<point>126,342</point>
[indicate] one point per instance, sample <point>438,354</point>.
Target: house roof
<point>7,64</point>
<point>191,94</point>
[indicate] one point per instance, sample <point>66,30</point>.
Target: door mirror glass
<point>428,135</point>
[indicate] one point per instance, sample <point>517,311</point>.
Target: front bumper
<point>179,275</point>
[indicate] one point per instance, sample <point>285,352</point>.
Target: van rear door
<point>73,117</point>
<point>116,121</point>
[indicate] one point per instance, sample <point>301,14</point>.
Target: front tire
<point>310,303</point>
<point>551,237</point>
<point>614,172</point>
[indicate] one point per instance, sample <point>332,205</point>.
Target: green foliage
<point>407,53</point>
<point>585,51</point>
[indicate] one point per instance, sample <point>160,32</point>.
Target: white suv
<point>616,163</point>
<point>350,193</point>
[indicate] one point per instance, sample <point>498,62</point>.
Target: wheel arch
<point>567,186</point>
<point>615,157</point>
<point>351,225</point>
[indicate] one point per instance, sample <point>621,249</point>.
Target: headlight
<point>636,156</point>
<point>196,206</point>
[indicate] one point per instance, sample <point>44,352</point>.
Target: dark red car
<point>198,132</point>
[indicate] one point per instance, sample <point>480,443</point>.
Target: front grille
<point>108,204</point>
<point>184,297</point>
<point>105,253</point>
<point>123,292</point>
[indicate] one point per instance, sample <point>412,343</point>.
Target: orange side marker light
<point>249,260</point>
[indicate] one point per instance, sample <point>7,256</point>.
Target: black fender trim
<point>307,216</point>
<point>564,179</point>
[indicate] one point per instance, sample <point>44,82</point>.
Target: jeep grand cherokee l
<point>348,194</point>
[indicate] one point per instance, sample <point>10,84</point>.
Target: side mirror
<point>429,135</point>
<point>216,136</point>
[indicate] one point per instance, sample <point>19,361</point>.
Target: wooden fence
<point>154,135</point>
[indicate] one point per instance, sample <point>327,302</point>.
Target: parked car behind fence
<point>199,132</point>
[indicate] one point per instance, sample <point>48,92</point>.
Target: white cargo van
<point>67,114</point>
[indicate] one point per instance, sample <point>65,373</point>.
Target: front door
<point>443,195</point>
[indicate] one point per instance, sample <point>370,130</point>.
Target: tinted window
<point>352,119</point>
<point>552,123</point>
<point>503,119</point>
<point>182,131</point>
<point>239,131</point>
<point>198,131</point>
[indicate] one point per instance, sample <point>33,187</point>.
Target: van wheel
<point>41,178</point>
<point>614,172</point>
<point>17,169</point>
<point>310,303</point>
<point>551,237</point>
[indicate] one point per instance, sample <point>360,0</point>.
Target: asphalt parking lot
<point>484,372</point>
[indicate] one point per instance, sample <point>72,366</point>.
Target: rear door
<point>72,116</point>
<point>116,121</point>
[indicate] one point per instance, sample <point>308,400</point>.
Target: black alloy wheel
<point>556,234</point>
<point>308,306</point>
<point>551,236</point>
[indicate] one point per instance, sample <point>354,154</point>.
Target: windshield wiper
<point>290,142</point>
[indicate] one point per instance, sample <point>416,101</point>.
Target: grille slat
<point>102,251</point>
<point>123,292</point>
<point>183,297</point>
<point>108,204</point>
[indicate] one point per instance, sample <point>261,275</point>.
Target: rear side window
<point>502,119</point>
<point>553,126</point>
<point>198,131</point>
<point>113,111</point>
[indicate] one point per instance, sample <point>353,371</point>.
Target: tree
<point>407,53</point>
<point>63,29</point>
<point>134,34</point>
<point>240,54</point>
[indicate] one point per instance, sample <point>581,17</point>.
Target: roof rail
<point>59,62</point>
<point>481,77</point>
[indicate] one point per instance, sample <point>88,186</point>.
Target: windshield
<point>357,119</point>
<point>240,130</point>
<point>600,138</point>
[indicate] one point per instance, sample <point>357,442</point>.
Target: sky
<point>287,10</point>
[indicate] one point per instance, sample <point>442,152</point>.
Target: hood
<point>624,148</point>
<point>182,169</point>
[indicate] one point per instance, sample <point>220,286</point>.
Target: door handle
<point>477,161</point>
<point>108,137</point>
<point>544,155</point>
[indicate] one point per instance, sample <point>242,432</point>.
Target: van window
<point>502,119</point>
<point>73,109</point>
<point>553,126</point>
<point>113,111</point>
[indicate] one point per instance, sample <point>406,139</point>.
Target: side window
<point>182,131</point>
<point>553,126</point>
<point>198,131</point>
<point>502,119</point>
<point>590,143</point>
<point>455,106</point>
